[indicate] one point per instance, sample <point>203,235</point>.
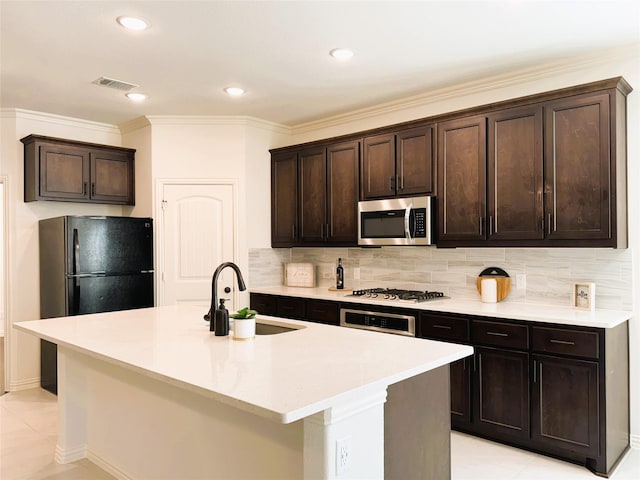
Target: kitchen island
<point>151,393</point>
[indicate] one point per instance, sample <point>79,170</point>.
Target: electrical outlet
<point>343,455</point>
<point>521,281</point>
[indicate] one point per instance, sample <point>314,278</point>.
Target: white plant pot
<point>244,329</point>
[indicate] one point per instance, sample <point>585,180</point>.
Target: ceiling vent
<point>113,83</point>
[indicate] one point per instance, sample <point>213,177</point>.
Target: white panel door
<point>198,234</point>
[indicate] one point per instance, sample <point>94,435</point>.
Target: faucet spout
<point>214,287</point>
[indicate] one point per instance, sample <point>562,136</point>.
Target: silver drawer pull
<point>562,342</point>
<point>498,334</point>
<point>444,327</point>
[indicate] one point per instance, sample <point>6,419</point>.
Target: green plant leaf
<point>244,313</point>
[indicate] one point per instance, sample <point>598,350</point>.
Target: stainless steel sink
<point>268,329</point>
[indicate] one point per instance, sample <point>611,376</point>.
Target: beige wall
<point>22,224</point>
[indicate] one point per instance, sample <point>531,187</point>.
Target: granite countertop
<point>284,377</point>
<point>506,310</point>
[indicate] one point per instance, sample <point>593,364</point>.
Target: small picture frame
<point>584,296</point>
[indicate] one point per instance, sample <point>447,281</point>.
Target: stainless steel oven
<point>378,321</point>
<point>396,221</point>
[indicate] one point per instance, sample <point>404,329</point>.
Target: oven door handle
<point>407,218</point>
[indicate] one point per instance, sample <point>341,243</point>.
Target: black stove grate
<point>398,294</point>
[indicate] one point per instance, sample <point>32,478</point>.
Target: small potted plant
<point>244,324</point>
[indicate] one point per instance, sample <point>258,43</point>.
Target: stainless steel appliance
<point>398,323</point>
<point>91,265</point>
<point>396,221</point>
<point>378,321</point>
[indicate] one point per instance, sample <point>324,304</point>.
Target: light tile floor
<point>28,421</point>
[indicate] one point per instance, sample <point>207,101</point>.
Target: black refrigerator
<point>92,264</point>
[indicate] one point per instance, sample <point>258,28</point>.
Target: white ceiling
<point>51,51</point>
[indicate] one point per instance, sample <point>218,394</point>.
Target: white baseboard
<point>107,466</point>
<point>635,441</point>
<point>15,386</point>
<point>70,455</point>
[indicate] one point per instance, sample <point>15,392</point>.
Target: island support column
<point>72,410</point>
<point>346,440</point>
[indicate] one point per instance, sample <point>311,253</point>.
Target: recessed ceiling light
<point>234,91</point>
<point>341,53</point>
<point>136,97</point>
<point>133,23</point>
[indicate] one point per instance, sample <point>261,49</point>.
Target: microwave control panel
<point>420,222</point>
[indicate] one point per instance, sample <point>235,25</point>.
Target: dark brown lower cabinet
<point>550,388</point>
<point>565,413</point>
<point>460,382</point>
<point>318,311</point>
<point>501,399</point>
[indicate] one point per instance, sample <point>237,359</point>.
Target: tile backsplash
<point>546,275</point>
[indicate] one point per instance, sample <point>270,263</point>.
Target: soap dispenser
<point>220,320</point>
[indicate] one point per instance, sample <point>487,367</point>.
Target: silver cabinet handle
<point>498,334</point>
<point>562,342</point>
<point>444,327</point>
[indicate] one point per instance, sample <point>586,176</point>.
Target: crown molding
<point>133,125</point>
<point>246,121</point>
<point>19,113</point>
<point>489,83</point>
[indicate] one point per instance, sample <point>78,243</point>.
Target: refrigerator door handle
<point>76,252</point>
<point>75,307</point>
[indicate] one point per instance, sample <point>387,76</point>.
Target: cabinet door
<point>414,164</point>
<point>462,153</point>
<point>291,307</point>
<point>578,168</point>
<point>514,175</point>
<point>284,199</point>
<point>264,304</point>
<point>502,397</point>
<point>460,380</point>
<point>343,161</point>
<point>112,177</point>
<point>64,172</point>
<point>379,167</point>
<point>565,404</point>
<point>312,175</point>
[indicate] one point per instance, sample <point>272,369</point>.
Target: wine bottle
<point>340,275</point>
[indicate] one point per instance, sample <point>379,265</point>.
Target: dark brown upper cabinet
<point>553,174</point>
<point>314,195</point>
<point>514,175</point>
<point>462,170</point>
<point>398,164</point>
<point>546,170</point>
<point>284,199</point>
<point>580,195</point>
<point>69,171</point>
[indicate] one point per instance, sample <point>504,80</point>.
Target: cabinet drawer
<point>322,312</point>
<point>566,342</point>
<point>264,304</point>
<point>444,328</point>
<point>500,334</point>
<point>289,307</point>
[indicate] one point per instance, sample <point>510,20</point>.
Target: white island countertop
<point>504,310</point>
<point>285,377</point>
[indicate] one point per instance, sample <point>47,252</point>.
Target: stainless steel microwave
<point>396,221</point>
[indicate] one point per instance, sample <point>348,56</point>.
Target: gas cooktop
<point>412,296</point>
